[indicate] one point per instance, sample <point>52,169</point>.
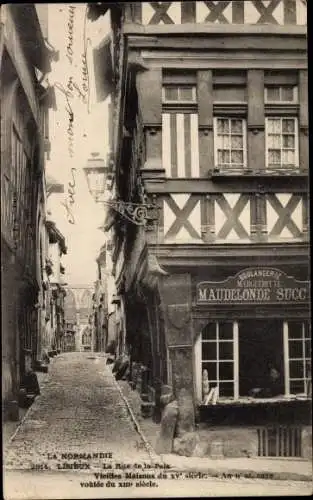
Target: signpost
<point>255,285</point>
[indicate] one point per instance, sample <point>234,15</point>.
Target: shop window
<point>298,357</point>
<point>254,359</point>
<point>217,359</point>
<point>230,143</point>
<point>282,142</point>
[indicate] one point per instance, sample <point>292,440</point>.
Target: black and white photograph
<point>155,250</point>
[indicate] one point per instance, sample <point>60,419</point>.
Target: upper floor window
<point>180,134</point>
<point>179,93</point>
<point>281,93</point>
<point>230,143</point>
<point>282,142</point>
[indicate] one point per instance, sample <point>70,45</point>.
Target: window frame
<point>281,167</point>
<point>179,86</point>
<point>230,168</point>
<point>280,86</point>
<point>303,359</point>
<point>180,107</point>
<point>235,361</point>
<point>286,359</point>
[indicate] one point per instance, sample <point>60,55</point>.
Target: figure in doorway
<point>273,385</point>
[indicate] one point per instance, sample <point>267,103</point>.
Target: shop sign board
<point>255,285</point>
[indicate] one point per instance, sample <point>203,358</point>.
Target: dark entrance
<point>260,351</point>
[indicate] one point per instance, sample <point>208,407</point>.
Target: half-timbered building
<point>25,61</point>
<point>210,122</point>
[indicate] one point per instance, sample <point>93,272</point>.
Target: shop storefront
<point>252,359</point>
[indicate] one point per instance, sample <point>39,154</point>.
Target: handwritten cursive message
<point>74,88</point>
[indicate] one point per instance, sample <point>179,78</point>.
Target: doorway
<point>260,349</point>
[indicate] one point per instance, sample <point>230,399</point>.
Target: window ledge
<point>217,173</point>
<point>230,108</point>
<point>257,401</point>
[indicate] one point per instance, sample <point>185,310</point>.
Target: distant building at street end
<point>79,318</point>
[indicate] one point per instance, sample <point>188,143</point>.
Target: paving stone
<point>80,408</point>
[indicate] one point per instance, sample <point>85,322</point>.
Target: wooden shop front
<point>252,362</point>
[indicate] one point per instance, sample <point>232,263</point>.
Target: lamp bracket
<point>137,213</point>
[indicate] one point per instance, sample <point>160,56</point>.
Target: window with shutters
<point>180,136</point>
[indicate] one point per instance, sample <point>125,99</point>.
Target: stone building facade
<point>210,123</point>
<point>25,99</point>
<point>79,318</point>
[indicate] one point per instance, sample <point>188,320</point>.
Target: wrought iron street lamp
<point>97,172</point>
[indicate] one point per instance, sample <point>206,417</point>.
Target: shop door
<point>261,350</point>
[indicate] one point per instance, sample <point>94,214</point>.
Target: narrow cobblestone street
<point>80,410</point>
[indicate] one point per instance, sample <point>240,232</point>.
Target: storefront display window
<point>299,357</point>
<point>253,359</point>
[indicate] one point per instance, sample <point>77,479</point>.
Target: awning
<point>28,25</point>
<point>103,68</point>
<point>97,9</point>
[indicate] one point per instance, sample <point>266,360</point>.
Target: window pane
<point>287,93</point>
<point>237,141</point>
<point>226,350</point>
<point>225,331</point>
<point>226,389</point>
<point>288,141</point>
<point>226,371</point>
<point>274,141</point>
<point>296,369</point>
<point>307,330</point>
<point>274,156</point>
<point>186,93</point>
<point>308,372</point>
<point>288,125</point>
<point>212,372</point>
<point>223,157</point>
<point>222,126</point>
<point>296,386</point>
<point>295,349</point>
<point>308,348</point>
<point>236,126</point>
<point>273,93</point>
<point>208,350</point>
<point>274,126</point>
<point>237,157</point>
<point>209,332</point>
<point>295,329</point>
<point>171,93</point>
<point>288,157</point>
<point>223,142</point>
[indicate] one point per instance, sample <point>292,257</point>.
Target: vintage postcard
<point>156,337</point>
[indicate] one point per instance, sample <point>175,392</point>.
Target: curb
<point>26,414</point>
<point>153,455</point>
